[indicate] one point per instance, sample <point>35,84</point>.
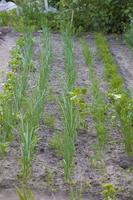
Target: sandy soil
<point>114,166</point>
<point>11,195</point>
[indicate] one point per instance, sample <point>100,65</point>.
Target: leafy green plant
<point>77,98</point>
<point>109,192</point>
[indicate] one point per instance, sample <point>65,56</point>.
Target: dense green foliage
<point>86,15</point>
<point>129,36</point>
<point>106,15</point>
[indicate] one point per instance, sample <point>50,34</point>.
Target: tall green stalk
<point>70,120</point>
<point>26,62</point>
<point>69,60</point>
<point>68,110</point>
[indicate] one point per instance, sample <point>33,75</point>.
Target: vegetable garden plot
<point>94,171</point>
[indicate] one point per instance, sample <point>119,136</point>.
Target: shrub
<point>86,15</point>
<point>109,15</point>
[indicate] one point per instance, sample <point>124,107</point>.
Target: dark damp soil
<point>91,170</point>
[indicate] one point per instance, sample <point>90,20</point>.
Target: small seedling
<point>109,192</point>
<point>56,143</point>
<point>49,120</point>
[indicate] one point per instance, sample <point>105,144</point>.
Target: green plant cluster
<point>118,95</point>
<point>109,192</point>
<point>105,15</point>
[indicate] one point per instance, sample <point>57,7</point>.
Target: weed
<point>49,120</point>
<point>109,192</point>
<point>49,177</point>
<point>56,143</point>
<point>75,193</point>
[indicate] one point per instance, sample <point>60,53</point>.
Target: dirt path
<point>5,47</point>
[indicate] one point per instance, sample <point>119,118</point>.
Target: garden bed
<point>91,170</point>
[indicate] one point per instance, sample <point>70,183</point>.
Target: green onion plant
<point>34,109</point>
